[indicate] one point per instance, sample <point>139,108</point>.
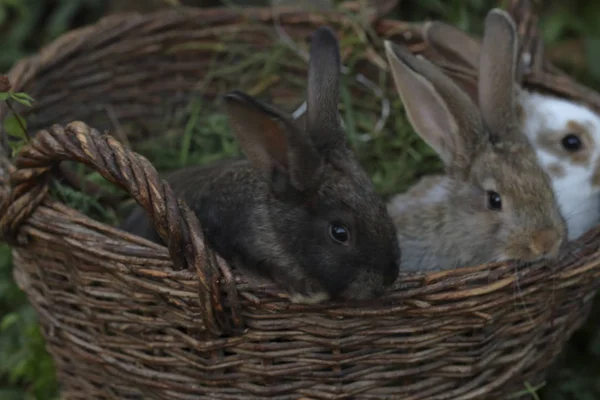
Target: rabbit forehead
<point>512,170</point>
<point>354,191</point>
<point>348,189</point>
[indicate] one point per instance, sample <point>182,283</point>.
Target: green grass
<point>26,369</point>
<point>199,134</point>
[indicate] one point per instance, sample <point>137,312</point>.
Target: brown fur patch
<point>556,170</point>
<point>551,142</point>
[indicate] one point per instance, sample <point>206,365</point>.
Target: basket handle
<point>174,221</point>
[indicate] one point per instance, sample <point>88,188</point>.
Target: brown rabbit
<point>495,202</point>
<point>301,210</point>
<point>564,133</point>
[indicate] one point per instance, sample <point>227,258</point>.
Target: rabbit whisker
<point>518,293</point>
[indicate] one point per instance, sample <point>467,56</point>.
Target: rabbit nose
<point>545,242</point>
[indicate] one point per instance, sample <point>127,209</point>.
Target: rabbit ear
<point>441,113</point>
<point>322,118</point>
<point>272,143</point>
<point>459,52</point>
<point>453,43</point>
<point>497,73</point>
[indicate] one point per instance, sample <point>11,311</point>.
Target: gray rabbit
<point>495,202</point>
<point>300,210</point>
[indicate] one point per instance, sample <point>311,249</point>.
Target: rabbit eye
<point>494,201</point>
<point>339,233</point>
<point>571,142</point>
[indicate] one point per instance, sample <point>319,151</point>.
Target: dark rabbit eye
<point>494,201</point>
<point>339,233</point>
<point>571,142</point>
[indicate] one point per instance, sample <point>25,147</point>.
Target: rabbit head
<point>325,220</point>
<point>565,134</point>
<point>496,202</point>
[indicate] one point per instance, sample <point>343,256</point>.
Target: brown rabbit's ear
<point>272,143</point>
<point>322,115</point>
<point>460,54</point>
<point>453,43</point>
<point>497,78</point>
<point>441,113</point>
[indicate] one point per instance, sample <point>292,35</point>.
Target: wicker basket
<point>128,319</point>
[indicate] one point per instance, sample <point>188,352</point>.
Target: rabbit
<point>494,203</point>
<point>300,210</point>
<point>565,134</point>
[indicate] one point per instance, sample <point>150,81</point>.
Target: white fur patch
<point>578,199</point>
<point>435,194</point>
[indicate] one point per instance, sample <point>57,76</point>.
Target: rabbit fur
<point>300,210</point>
<point>495,202</point>
<point>564,133</point>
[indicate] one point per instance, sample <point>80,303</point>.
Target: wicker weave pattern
<point>127,319</point>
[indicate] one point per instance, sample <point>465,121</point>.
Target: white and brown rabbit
<point>300,210</point>
<point>565,134</point>
<point>495,202</point>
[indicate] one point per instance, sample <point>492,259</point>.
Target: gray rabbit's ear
<point>453,43</point>
<point>273,144</point>
<point>441,113</point>
<point>459,54</point>
<point>322,113</point>
<point>497,80</point>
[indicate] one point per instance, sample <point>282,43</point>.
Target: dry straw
<point>127,319</point>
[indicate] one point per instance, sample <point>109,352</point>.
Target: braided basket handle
<point>174,221</point>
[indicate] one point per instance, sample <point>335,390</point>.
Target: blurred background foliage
<point>572,35</point>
